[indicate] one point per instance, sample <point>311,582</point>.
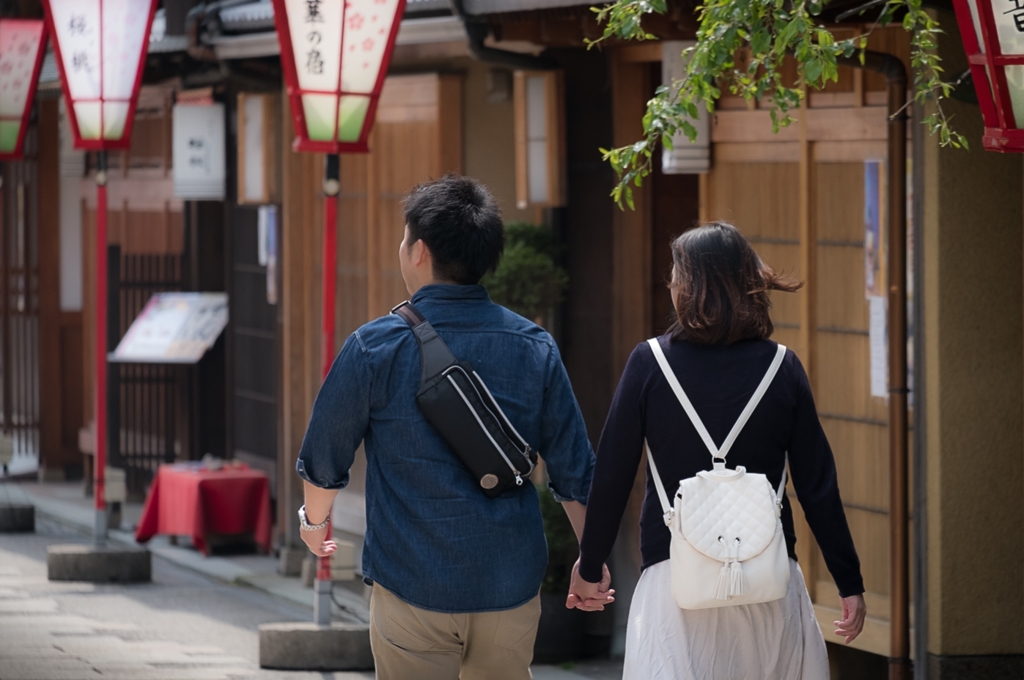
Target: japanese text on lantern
<point>314,60</point>
<point>1017,10</point>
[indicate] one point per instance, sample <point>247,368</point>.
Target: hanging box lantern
<point>21,56</point>
<point>198,147</point>
<point>100,47</point>
<point>685,157</point>
<point>335,56</point>
<point>993,37</point>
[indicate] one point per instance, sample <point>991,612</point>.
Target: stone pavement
<point>187,624</point>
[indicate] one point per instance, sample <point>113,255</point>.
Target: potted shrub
<point>560,636</point>
<point>529,280</point>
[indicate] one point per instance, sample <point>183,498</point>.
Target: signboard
<point>199,166</point>
<point>174,328</point>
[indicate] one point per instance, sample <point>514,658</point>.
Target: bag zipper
<point>515,470</point>
<point>525,454</point>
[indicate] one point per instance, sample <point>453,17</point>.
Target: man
<point>455,574</point>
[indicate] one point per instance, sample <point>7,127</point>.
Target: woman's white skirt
<point>770,641</point>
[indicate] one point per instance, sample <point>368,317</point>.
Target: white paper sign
<point>174,328</point>
<point>199,167</point>
<point>879,340</point>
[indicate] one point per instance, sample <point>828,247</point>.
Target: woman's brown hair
<point>720,287</point>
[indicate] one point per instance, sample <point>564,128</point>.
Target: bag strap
<point>666,507</point>
<point>435,356</point>
<point>667,510</point>
<point>716,452</point>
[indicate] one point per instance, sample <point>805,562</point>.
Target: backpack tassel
<point>724,584</point>
<point>731,581</point>
<point>738,583</point>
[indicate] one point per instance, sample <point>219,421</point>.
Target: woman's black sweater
<point>719,380</point>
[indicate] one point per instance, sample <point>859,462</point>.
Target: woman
<point>719,350</point>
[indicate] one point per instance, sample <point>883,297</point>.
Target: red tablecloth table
<point>186,500</point>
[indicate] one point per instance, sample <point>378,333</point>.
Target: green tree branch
<point>768,31</point>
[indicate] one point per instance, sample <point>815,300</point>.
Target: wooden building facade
<point>798,195</point>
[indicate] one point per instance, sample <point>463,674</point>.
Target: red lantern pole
<point>324,583</point>
<point>100,397</point>
<point>330,257</point>
<point>101,113</point>
<point>340,101</point>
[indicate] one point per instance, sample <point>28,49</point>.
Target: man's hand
<point>318,505</point>
<point>590,597</point>
<point>318,542</point>
<point>854,611</point>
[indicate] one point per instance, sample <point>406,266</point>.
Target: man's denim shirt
<point>432,537</point>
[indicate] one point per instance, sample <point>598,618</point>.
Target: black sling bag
<point>456,402</point>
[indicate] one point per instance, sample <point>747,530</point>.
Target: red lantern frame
<point>331,187</point>
<point>100,144</point>
<point>1001,131</point>
<point>30,97</point>
<point>291,78</point>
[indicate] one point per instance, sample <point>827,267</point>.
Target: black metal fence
<point>144,404</point>
<point>19,308</point>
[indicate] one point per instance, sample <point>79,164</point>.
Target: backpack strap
<point>668,512</point>
<point>716,452</point>
<point>666,507</point>
<point>435,356</point>
<point>766,382</point>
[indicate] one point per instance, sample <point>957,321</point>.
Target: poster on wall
<point>266,234</point>
<point>874,275</point>
<point>879,346</point>
<point>874,228</point>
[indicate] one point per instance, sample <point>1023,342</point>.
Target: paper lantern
<point>335,56</point>
<point>993,37</point>
<point>100,47</point>
<point>21,56</point>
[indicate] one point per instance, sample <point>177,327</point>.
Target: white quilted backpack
<point>727,542</point>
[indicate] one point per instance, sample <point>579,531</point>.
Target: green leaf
<point>812,70</point>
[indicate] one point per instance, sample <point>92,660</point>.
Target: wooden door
<point>799,197</point>
<point>254,344</point>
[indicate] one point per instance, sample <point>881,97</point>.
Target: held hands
<point>590,597</point>
<point>854,611</point>
<point>319,542</point>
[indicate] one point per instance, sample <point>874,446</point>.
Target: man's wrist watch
<point>306,526</point>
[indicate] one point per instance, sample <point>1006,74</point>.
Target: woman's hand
<point>590,597</point>
<point>318,542</point>
<point>854,611</point>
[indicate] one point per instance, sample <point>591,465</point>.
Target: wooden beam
<point>298,297</point>
<point>644,53</point>
<point>52,457</point>
<point>704,193</point>
<point>849,152</point>
<point>868,123</point>
<point>808,305</point>
<point>758,152</point>
<point>631,265</point>
<point>449,122</point>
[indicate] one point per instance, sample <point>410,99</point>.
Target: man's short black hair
<point>460,222</point>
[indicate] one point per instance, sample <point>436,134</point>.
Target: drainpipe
<point>194,21</point>
<point>899,548</point>
<point>477,31</point>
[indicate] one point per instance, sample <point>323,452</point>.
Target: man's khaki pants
<point>410,643</point>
